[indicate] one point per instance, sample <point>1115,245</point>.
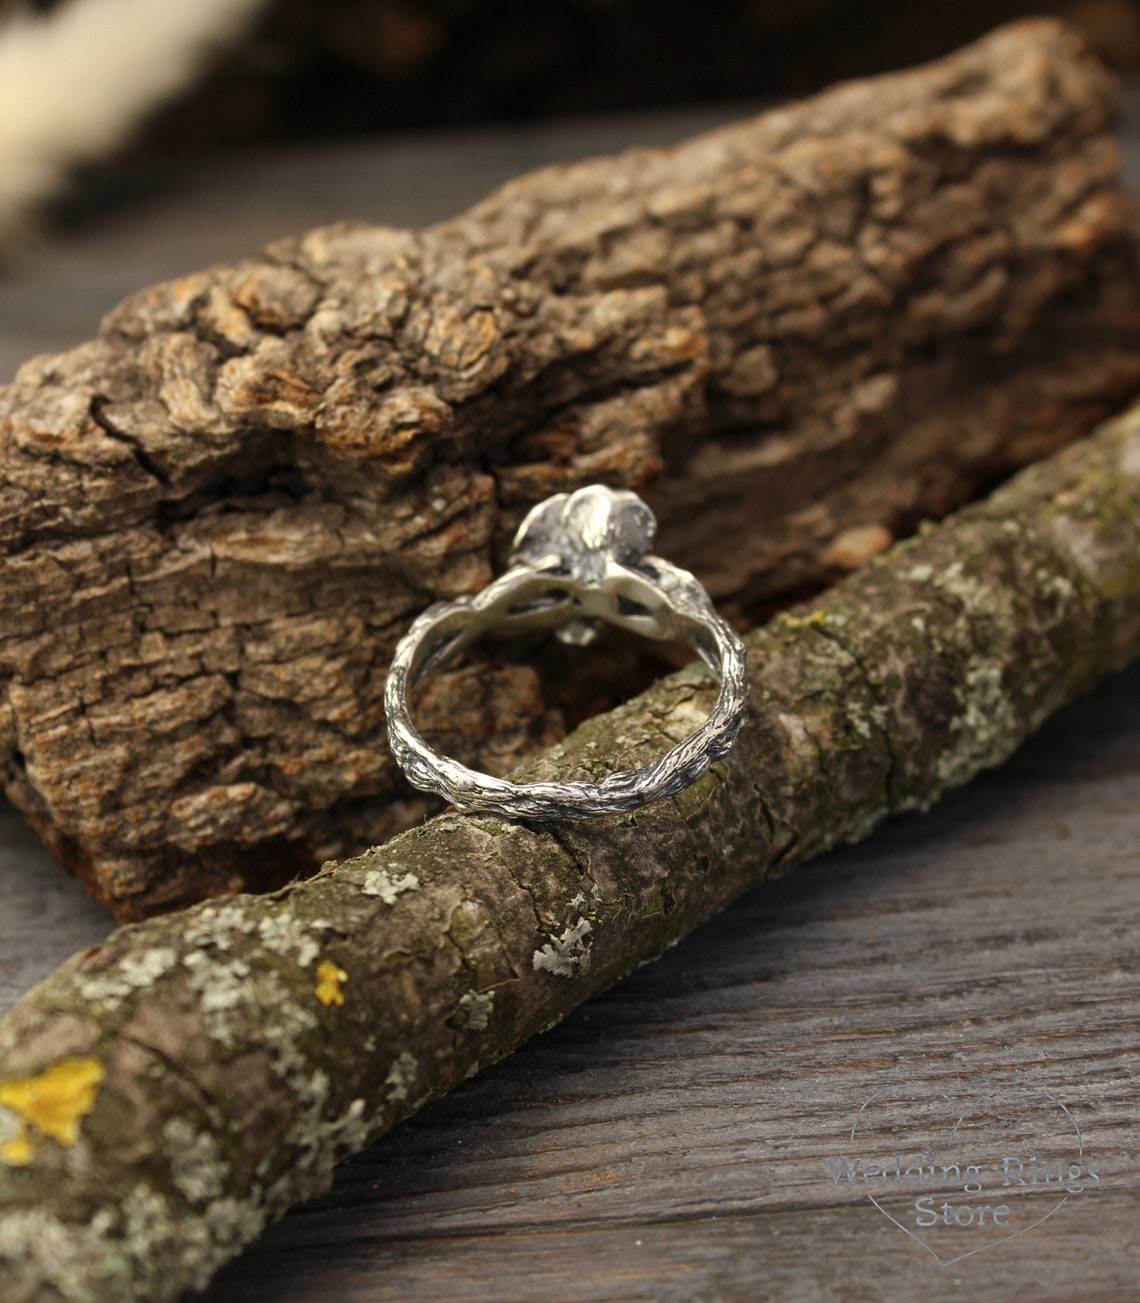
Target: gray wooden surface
<point>671,1139</point>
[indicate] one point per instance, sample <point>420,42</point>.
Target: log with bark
<point>803,333</point>
<point>164,1095</point>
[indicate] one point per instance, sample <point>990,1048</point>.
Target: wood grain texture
<point>807,331</point>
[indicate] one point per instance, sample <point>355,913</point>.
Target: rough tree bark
<point>168,1092</point>
<point>805,333</point>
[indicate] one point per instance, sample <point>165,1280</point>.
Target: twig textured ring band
<point>578,559</point>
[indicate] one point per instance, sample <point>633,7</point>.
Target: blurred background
<point>141,139</point>
<point>284,71</point>
<point>326,69</point>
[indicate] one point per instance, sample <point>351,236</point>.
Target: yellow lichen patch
<point>817,618</point>
<point>56,1101</point>
<point>330,978</point>
<point>18,1151</point>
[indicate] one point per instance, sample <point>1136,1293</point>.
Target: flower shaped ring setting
<point>578,560</point>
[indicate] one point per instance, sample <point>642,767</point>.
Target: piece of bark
<point>799,335</point>
<point>214,1064</point>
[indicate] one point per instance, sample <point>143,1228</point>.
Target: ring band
<point>578,560</point>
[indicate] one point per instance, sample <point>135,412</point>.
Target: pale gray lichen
<point>379,882</point>
<point>1059,586</point>
<point>477,1006</point>
<point>985,729</point>
<point>196,1165</point>
<point>171,1247</point>
<point>226,1225</point>
<point>400,1076</point>
<point>860,723</point>
<point>1082,542</point>
<point>10,1125</point>
<point>132,973</point>
<point>314,1143</point>
<point>286,935</point>
<point>567,954</point>
<point>351,1130</point>
<point>217,925</point>
<point>230,996</point>
<point>45,1251</point>
<point>284,1023</point>
<point>221,989</point>
<point>312,1092</point>
<point>164,1251</point>
<point>146,1218</point>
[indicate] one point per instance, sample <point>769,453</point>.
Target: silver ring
<point>578,559</point>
